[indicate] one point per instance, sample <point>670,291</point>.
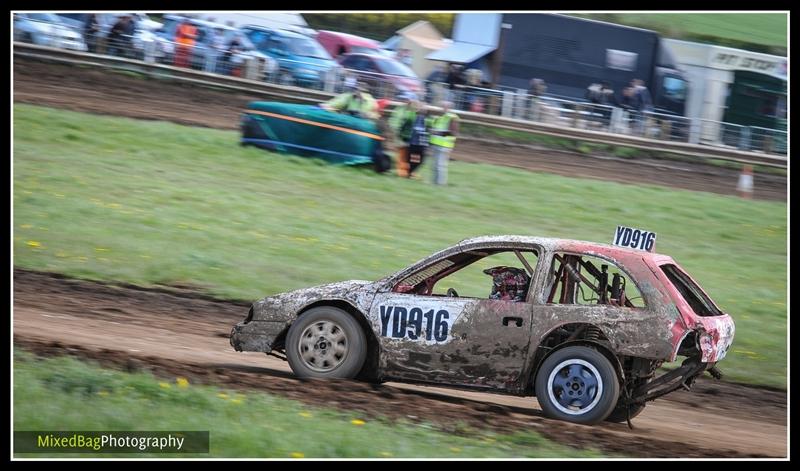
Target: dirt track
<point>90,90</point>
<point>182,333</point>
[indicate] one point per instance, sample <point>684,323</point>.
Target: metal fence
<point>501,101</point>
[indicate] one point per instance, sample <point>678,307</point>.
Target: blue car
<point>302,60</point>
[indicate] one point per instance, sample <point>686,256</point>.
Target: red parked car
<point>339,44</point>
<point>386,77</point>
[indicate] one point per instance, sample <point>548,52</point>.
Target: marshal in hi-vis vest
<point>442,123</point>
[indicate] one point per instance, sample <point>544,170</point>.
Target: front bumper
<point>256,336</point>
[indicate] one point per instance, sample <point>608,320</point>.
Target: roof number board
<point>634,238</point>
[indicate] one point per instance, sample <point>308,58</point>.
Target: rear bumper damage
<point>680,378</point>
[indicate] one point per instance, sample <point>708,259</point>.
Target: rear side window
<point>691,293</point>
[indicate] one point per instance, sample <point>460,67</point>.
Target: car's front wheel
<point>326,342</point>
<point>577,384</point>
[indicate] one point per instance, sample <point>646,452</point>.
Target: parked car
<point>46,29</point>
<point>301,59</point>
<point>582,326</point>
<point>339,44</point>
<point>143,40</point>
<point>206,30</point>
<point>385,76</point>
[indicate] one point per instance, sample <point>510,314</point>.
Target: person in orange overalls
<point>185,36</point>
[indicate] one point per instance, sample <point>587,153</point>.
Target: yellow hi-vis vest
<point>442,123</point>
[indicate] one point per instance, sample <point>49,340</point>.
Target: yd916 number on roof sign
<point>634,238</point>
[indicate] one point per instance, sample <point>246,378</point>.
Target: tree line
<point>377,26</point>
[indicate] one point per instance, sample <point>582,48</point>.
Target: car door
<point>452,340</point>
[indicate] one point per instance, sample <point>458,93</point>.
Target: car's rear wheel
<point>326,342</point>
<point>577,384</point>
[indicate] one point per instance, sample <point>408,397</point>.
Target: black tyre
<point>326,342</point>
<point>619,414</point>
<point>577,384</point>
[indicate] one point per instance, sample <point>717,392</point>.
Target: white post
<point>150,52</point>
<point>508,103</point>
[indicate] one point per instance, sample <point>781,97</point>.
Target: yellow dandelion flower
<point>182,383</point>
<point>164,385</point>
<point>26,226</point>
<point>386,454</point>
<point>222,396</point>
<point>357,422</point>
<point>297,454</point>
<point>102,393</point>
<point>236,401</point>
<point>455,449</point>
<point>100,249</point>
<point>34,244</point>
<point>305,414</point>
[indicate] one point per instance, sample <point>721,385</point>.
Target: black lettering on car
<point>408,323</point>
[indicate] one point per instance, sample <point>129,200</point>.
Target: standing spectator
<point>432,83</point>
<point>116,40</point>
<point>643,103</point>
<point>455,81</point>
<point>444,129</point>
<point>90,31</point>
<point>536,89</point>
<point>233,57</point>
<point>128,31</point>
<point>185,37</point>
<point>402,123</point>
<point>628,104</point>
<point>216,46</point>
<point>419,139</point>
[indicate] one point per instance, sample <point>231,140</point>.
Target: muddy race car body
<point>533,331</point>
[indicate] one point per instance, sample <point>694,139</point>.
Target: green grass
<point>151,202</point>
<point>67,394</point>
<point>766,32</point>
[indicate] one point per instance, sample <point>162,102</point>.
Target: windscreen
<point>308,47</point>
<point>391,67</point>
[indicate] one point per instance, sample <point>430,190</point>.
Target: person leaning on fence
<point>443,130</point>
<point>643,105</point>
<point>355,102</point>
<point>216,47</point>
<point>185,36</point>
<point>90,31</point>
<point>536,89</point>
<point>117,36</point>
<point>402,123</point>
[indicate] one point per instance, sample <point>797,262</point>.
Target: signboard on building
<point>732,59</point>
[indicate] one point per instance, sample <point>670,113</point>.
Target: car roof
<point>352,38</point>
<point>556,244</point>
<point>282,32</point>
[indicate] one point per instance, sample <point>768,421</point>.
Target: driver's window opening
<point>575,279</point>
<point>501,274</point>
